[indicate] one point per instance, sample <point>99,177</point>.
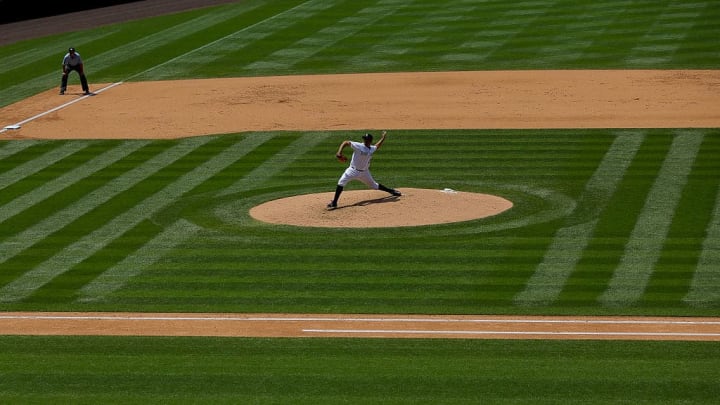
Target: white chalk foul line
<point>60,107</point>
<point>498,332</point>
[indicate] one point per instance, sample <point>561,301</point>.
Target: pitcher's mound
<point>373,208</point>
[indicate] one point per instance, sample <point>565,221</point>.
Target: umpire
<point>73,61</point>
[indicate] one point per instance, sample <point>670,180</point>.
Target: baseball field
<point>558,240</point>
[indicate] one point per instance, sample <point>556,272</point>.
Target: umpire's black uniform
<point>72,61</point>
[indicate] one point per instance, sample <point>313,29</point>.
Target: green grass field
<point>605,222</point>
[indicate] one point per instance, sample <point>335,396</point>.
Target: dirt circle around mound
<point>377,209</point>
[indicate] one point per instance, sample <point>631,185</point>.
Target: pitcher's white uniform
<point>359,168</point>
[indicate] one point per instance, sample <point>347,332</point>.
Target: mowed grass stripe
<point>10,148</point>
<point>705,285</point>
<point>696,51</point>
<point>570,241</point>
<point>507,157</point>
<point>158,41</point>
<point>370,49</point>
<point>673,273</point>
<point>645,245</point>
<point>509,24</point>
<point>283,32</point>
<point>73,193</point>
<point>276,163</point>
<point>236,48</point>
<point>28,156</point>
<point>578,32</point>
<point>615,224</point>
<point>327,37</point>
<point>116,276</point>
<point>662,40</point>
<point>136,262</point>
<point>542,30</point>
<point>65,287</point>
<point>55,153</point>
<point>26,238</point>
<point>46,174</point>
<point>202,58</point>
<point>71,177</point>
<point>94,241</point>
<point>285,57</point>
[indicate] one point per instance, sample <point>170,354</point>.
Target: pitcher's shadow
<point>363,203</point>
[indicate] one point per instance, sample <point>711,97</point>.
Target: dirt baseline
<point>355,326</point>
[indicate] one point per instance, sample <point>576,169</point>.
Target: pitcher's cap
<point>368,136</point>
<point>71,50</point>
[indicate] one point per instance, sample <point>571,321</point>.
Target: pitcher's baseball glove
<point>341,158</point>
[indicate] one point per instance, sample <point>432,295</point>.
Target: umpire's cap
<point>367,137</point>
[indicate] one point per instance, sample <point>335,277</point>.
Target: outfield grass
<point>605,221</point>
<point>356,371</point>
<point>262,38</point>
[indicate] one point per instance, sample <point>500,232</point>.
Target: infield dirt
<point>374,101</point>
